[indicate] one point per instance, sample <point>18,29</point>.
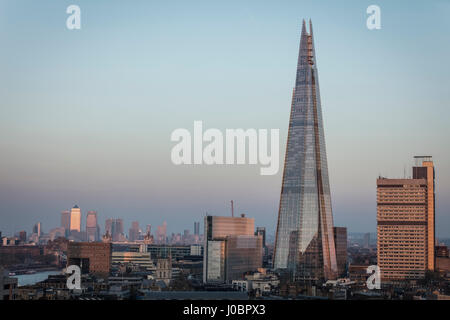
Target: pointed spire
<point>310,28</point>
<point>303,27</point>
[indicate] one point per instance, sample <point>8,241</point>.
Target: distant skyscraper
<point>75,219</point>
<point>161,233</point>
<point>92,228</point>
<point>304,242</point>
<point>65,220</point>
<point>22,236</point>
<point>37,229</point>
<point>118,234</point>
<point>261,231</point>
<point>114,227</point>
<point>366,240</point>
<point>133,233</point>
<point>108,226</point>
<point>197,228</point>
<point>406,223</point>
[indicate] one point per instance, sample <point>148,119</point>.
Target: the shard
<point>304,243</point>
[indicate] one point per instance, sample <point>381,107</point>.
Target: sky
<point>86,115</point>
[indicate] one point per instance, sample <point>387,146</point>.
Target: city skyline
<point>146,152</point>
<point>66,139</point>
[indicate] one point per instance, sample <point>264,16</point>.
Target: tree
<point>180,283</point>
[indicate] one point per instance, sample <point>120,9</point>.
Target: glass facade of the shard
<point>304,242</point>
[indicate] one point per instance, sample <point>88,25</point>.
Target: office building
<point>114,228</point>
<point>75,219</point>
<point>37,229</point>
<point>196,228</point>
<point>340,240</point>
<point>262,232</point>
<point>242,254</point>
<point>65,220</point>
<point>91,257</point>
<point>23,236</point>
<point>92,227</point>
<point>230,248</point>
<point>134,232</point>
<point>161,233</point>
<point>406,223</point>
<point>366,240</point>
<point>304,241</point>
<point>141,258</point>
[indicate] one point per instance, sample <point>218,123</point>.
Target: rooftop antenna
<point>232,208</point>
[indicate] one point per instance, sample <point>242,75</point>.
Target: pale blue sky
<point>86,115</point>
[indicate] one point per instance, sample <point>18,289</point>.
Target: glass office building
<point>304,243</point>
<point>92,228</point>
<point>231,248</point>
<point>242,254</point>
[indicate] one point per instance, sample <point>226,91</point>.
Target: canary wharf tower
<point>304,243</point>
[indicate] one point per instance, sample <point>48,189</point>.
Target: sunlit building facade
<point>304,242</point>
<point>92,258</point>
<point>230,248</point>
<point>406,223</point>
<point>92,228</point>
<point>75,219</point>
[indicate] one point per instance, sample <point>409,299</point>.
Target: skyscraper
<point>108,226</point>
<point>114,227</point>
<point>133,233</point>
<point>22,236</point>
<point>65,220</point>
<point>196,228</point>
<point>75,219</point>
<point>304,242</point>
<point>405,223</point>
<point>340,240</point>
<point>92,228</point>
<point>161,233</point>
<point>261,231</point>
<point>37,229</point>
<point>230,248</point>
<point>366,240</point>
